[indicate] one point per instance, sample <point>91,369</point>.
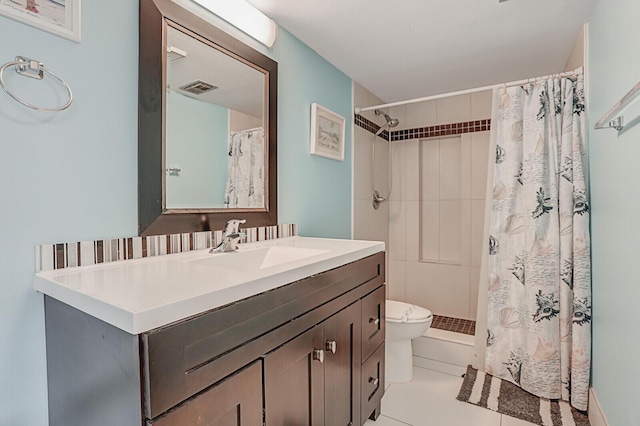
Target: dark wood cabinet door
<point>342,333</point>
<point>294,381</point>
<point>236,401</point>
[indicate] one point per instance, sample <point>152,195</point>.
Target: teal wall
<point>614,66</point>
<point>64,177</point>
<point>73,176</point>
<point>198,135</point>
<point>313,191</point>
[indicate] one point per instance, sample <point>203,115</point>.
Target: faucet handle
<point>237,235</point>
<point>233,226</point>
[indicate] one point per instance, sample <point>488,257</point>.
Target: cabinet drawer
<point>372,383</point>
<point>373,324</point>
<point>237,400</point>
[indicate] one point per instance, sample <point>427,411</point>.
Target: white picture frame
<point>327,133</point>
<point>59,17</point>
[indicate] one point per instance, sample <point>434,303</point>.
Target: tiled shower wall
<point>436,211</point>
<point>369,224</point>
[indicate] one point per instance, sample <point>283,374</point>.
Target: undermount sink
<point>257,258</point>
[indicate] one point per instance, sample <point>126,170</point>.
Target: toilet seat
<point>400,312</point>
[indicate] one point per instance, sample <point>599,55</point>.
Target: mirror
<point>207,125</point>
<point>214,108</point>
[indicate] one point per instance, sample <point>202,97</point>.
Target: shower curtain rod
<point>358,110</point>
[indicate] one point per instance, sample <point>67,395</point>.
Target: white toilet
<point>404,322</point>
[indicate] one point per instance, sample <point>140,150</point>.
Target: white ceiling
<point>239,86</point>
<point>405,49</point>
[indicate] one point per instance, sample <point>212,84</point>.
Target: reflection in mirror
<point>215,150</point>
<point>207,114</point>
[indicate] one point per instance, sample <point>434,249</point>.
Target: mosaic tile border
<point>428,131</point>
<point>370,126</point>
<point>50,257</point>
<point>456,325</point>
<point>442,130</point>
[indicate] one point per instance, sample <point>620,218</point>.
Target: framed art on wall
<point>59,17</point>
<point>327,133</point>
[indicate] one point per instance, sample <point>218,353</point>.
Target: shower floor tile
<point>457,325</point>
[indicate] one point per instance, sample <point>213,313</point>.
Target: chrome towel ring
<point>34,69</point>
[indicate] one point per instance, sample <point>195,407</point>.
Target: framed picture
<point>327,133</point>
<point>59,17</point>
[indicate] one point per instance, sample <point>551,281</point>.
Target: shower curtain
<point>245,172</point>
<point>539,283</point>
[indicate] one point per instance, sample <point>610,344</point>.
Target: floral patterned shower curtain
<point>539,300</point>
<point>245,172</point>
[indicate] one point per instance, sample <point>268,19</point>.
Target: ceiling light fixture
<point>245,17</point>
<point>175,53</point>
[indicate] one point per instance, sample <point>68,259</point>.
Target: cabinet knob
<point>375,321</point>
<point>318,355</point>
<point>331,346</point>
<point>374,381</point>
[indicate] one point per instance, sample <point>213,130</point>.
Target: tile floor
<point>430,400</point>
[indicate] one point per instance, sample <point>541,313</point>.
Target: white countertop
<point>142,294</point>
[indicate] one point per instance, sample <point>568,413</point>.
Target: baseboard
<point>596,416</point>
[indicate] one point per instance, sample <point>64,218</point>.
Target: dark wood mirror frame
<point>152,219</point>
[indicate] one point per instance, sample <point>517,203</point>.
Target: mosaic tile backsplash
<point>50,257</point>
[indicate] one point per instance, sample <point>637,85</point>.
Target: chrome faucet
<point>230,237</point>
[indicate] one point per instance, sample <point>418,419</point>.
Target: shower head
<point>391,122</point>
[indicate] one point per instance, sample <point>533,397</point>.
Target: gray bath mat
<point>504,397</point>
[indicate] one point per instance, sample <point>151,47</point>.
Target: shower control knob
<point>375,321</point>
<point>318,355</point>
<point>374,381</point>
<point>331,346</point>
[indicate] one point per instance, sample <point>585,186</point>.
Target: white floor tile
<point>385,421</point>
<point>512,421</point>
<point>430,399</point>
<point>441,367</point>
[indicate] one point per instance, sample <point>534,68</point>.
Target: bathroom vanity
<point>289,331</point>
